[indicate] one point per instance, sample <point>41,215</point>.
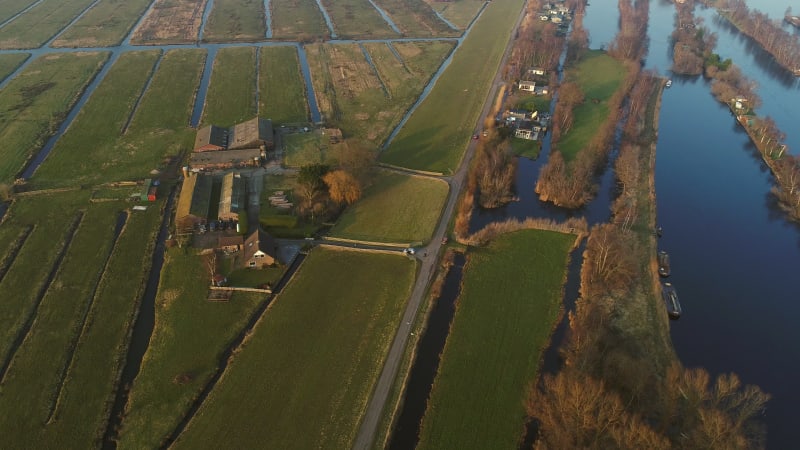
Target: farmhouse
<point>529,86</point>
<point>260,250</point>
<point>242,145</point>
<point>526,130</point>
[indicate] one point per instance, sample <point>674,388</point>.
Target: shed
<point>194,200</point>
<point>231,197</point>
<point>211,138</point>
<point>529,86</point>
<point>251,134</point>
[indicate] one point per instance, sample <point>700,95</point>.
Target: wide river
<point>735,258</point>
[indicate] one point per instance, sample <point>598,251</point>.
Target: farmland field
<point>458,13</point>
<point>355,19</point>
<point>436,134</point>
<point>599,76</point>
<point>304,376</point>
<point>33,104</point>
<point>159,126</point>
<point>10,62</point>
<point>365,101</point>
<point>231,95</point>
<point>236,20</point>
<point>171,22</point>
<point>282,92</point>
<point>416,18</point>
<point>510,299</point>
<point>40,23</point>
<point>396,208</point>
<point>190,335</point>
<point>298,19</point>
<point>107,23</point>
<point>302,149</point>
<point>10,8</point>
<point>82,322</point>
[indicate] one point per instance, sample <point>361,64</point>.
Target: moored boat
<point>663,264</point>
<point>669,83</point>
<point>670,296</point>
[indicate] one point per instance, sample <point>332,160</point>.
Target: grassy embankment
<point>231,96</point>
<point>599,77</point>
<point>82,322</point>
<point>40,23</point>
<point>458,13</point>
<point>34,103</point>
<point>416,18</point>
<point>366,102</point>
<point>303,378</point>
<point>10,62</point>
<point>189,337</point>
<point>298,20</point>
<point>106,24</point>
<point>510,300</point>
<point>435,136</point>
<point>396,208</point>
<point>281,90</point>
<point>367,24</point>
<point>159,127</point>
<point>236,20</point>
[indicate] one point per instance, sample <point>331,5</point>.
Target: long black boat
<point>670,296</point>
<point>663,264</point>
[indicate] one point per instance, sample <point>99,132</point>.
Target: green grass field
<point>304,377</point>
<point>416,18</point>
<point>231,96</point>
<point>436,135</point>
<point>10,62</point>
<point>526,148</point>
<point>367,102</point>
<point>34,103</point>
<point>297,19</point>
<point>40,23</point>
<point>599,76</point>
<point>107,23</point>
<point>458,13</point>
<point>302,149</point>
<point>189,337</point>
<point>396,208</point>
<point>74,384</point>
<point>159,126</point>
<point>236,20</point>
<point>281,90</point>
<point>354,19</point>
<point>510,298</point>
<point>10,8</point>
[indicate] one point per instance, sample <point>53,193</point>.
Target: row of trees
<point>621,386</point>
<point>783,45</point>
<point>693,43</point>
<point>631,41</point>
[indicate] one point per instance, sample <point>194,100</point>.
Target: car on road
<point>409,251</point>
<point>475,137</point>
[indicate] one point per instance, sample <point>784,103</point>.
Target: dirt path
<point>428,257</point>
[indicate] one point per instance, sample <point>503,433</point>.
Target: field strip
<point>8,260</point>
<point>71,23</point>
<point>374,70</point>
<point>122,220</point>
<point>127,40</point>
<point>28,8</point>
<point>105,24</point>
<point>22,333</point>
<point>141,94</point>
<point>257,88</point>
<point>398,56</point>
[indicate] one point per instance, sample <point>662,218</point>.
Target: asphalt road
<point>428,257</point>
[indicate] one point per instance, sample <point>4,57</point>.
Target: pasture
<point>171,22</point>
<point>415,18</point>
<point>510,300</point>
<point>10,8</point>
<point>189,336</point>
<point>34,103</point>
<point>302,149</point>
<point>599,77</point>
<point>236,20</point>
<point>437,133</point>
<point>76,305</point>
<point>396,208</point>
<point>298,19</point>
<point>458,13</point>
<point>231,96</point>
<point>281,90</point>
<point>303,378</point>
<point>357,19</point>
<point>368,100</point>
<point>159,125</point>
<point>106,24</point>
<point>10,62</point>
<point>40,23</point>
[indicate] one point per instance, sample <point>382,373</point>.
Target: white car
<point>409,251</point>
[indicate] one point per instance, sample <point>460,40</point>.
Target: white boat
<point>669,83</point>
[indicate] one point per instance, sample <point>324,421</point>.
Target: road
<point>428,257</point>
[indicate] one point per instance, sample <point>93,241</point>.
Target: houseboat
<point>669,83</point>
<point>663,264</point>
<point>671,300</point>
